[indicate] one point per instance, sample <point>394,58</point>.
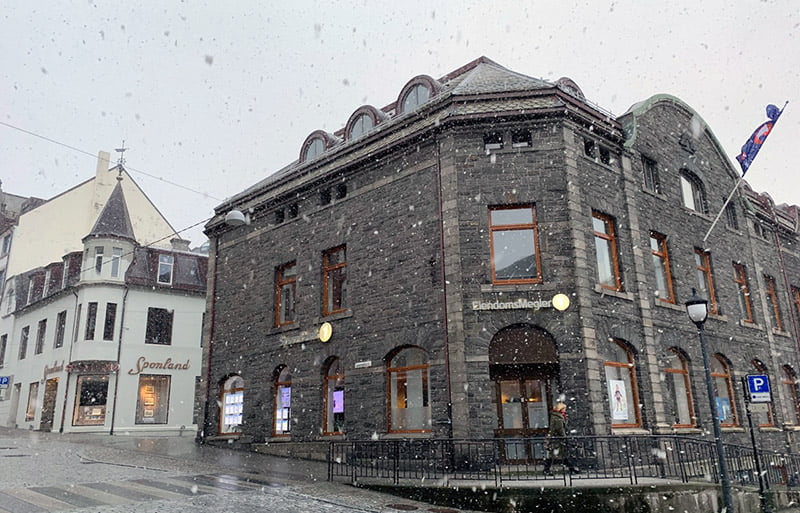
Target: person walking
<point>556,444</point>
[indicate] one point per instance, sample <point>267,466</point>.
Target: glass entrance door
<point>523,407</point>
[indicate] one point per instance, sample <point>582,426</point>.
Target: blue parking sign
<point>4,381</point>
<point>758,388</point>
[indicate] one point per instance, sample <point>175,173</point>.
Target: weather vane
<point>121,160</point>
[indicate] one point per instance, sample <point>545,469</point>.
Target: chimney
<point>179,244</point>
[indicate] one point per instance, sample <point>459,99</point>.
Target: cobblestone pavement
<point>46,472</point>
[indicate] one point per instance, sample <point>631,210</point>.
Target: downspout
<point>444,291</point>
<point>786,282</point>
<point>119,358</point>
<point>72,340</point>
<point>202,435</point>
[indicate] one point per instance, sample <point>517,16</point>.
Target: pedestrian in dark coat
<point>557,449</point>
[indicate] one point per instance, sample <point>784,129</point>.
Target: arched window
<point>623,395</point>
<point>416,96</point>
<point>282,421</point>
<point>232,401</point>
<point>679,387</point>
<point>408,391</point>
<point>789,383</point>
<point>726,405</point>
<point>360,126</point>
<point>693,192</point>
<point>313,149</point>
<point>333,398</point>
<point>763,419</point>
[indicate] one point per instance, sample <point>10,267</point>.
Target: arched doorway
<point>523,364</point>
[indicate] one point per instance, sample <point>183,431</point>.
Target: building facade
<point>107,337</point>
<point>454,263</point>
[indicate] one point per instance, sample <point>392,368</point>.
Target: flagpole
<point>730,197</point>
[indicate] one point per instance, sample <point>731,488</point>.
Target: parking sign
<point>4,381</point>
<point>758,388</point>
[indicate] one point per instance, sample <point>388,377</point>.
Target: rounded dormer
<point>417,91</point>
<point>364,119</point>
<point>317,143</point>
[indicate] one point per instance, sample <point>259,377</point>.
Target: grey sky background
<point>214,96</point>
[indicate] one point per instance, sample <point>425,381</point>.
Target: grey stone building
<point>454,263</point>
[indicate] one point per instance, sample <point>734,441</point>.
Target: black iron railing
<point>632,458</point>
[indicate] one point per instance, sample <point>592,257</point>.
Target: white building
<point>104,337</point>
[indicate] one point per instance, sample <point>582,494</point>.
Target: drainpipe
<point>444,291</point>
<point>212,304</point>
<point>119,358</point>
<point>72,339</point>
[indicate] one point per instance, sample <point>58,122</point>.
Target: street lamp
<point>697,308</point>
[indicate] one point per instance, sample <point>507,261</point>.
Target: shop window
<point>705,278</point>
<point>693,192</point>
<point>61,328</point>
<point>415,97</point>
<point>514,244</point>
<point>334,281</point>
<point>660,254</point>
<point>767,418</point>
<point>232,405</point>
<point>159,326</point>
<point>23,342</point>
<point>604,230</point>
<point>623,395</point>
<point>789,383</point>
<point>409,391</point>
<point>153,404</point>
<point>282,422</point>
<point>773,305</point>
<point>33,399</point>
<point>333,397</point>
<point>165,264</point>
<point>521,139</point>
<point>116,255</point>
<point>743,297</point>
<point>110,321</point>
<point>726,406</point>
<point>285,293</point>
<point>493,141</point>
<point>3,344</point>
<point>90,400</point>
<point>679,387</point>
<point>650,171</point>
<point>41,331</point>
<point>91,321</point>
<point>98,259</point>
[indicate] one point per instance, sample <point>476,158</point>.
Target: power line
<point>127,168</point>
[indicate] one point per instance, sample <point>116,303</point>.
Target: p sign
<point>758,388</point>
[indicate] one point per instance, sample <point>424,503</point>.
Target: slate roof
<point>114,220</point>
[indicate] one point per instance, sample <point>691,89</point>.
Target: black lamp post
<point>697,308</point>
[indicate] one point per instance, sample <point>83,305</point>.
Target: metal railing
<point>499,460</point>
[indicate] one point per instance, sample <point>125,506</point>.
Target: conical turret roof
<point>114,220</point>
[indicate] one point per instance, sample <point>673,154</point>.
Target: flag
<point>753,144</point>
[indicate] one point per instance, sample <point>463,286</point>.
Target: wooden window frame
<point>390,371</point>
<point>630,365</point>
<point>329,380</point>
<point>663,254</point>
<point>610,235</point>
<point>762,369</point>
<point>740,278</point>
<point>277,386</point>
<point>280,282</point>
<point>225,391</point>
<point>708,273</point>
<point>327,271</point>
<point>687,383</point>
<point>729,384</point>
<point>533,226</point>
<point>790,382</point>
<point>771,290</point>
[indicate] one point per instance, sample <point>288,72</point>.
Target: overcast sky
<point>214,96</point>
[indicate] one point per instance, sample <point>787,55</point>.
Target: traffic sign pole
<point>752,387</point>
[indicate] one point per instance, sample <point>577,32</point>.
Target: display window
<point>409,391</point>
<point>334,398</point>
<point>33,394</point>
<point>232,405</point>
<point>282,425</point>
<point>90,400</point>
<point>152,406</point>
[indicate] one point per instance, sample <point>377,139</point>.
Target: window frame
<point>789,382</point>
<point>41,333</point>
<point>110,321</point>
<point>116,257</point>
<point>662,254</point>
<point>33,401</point>
<point>61,329</point>
<point>158,392</point>
<point>705,268</point>
<point>24,335</point>
<point>630,365</point>
<point>696,192</point>
<point>744,295</point>
<point>760,368</point>
<point>154,326</point>
<point>279,384</point>
<point>91,321</point>
<point>727,377</point>
<point>166,262</point>
<point>329,273</point>
<point>392,371</point>
<point>773,301</point>
<point>610,236</point>
<point>231,395</point>
<point>329,419</point>
<point>533,226</point>
<point>651,180</point>
<point>3,347</point>
<point>687,383</point>
<point>407,106</point>
<point>291,284</point>
<point>99,252</point>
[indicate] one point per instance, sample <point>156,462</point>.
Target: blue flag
<point>754,143</point>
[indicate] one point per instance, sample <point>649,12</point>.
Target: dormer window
<point>415,97</point>
<point>314,149</point>
<point>165,264</point>
<point>360,126</point>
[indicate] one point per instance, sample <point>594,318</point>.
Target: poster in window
<point>723,408</point>
<point>338,401</point>
<point>617,397</point>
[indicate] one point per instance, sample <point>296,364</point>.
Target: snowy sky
<point>213,96</point>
